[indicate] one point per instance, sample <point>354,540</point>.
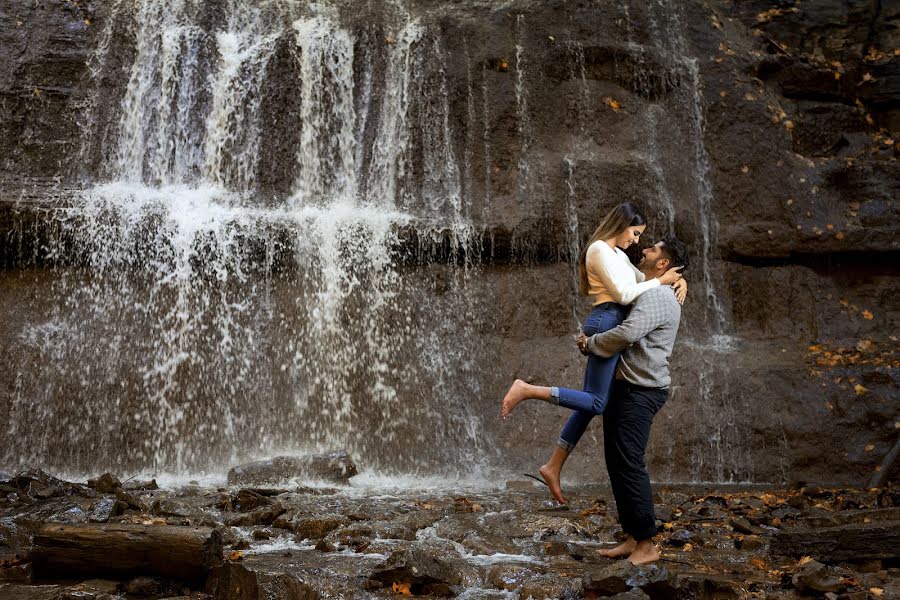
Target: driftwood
<point>185,553</point>
<point>857,541</point>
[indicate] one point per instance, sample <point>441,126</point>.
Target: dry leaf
<point>839,235</point>
<point>503,65</point>
<point>789,125</point>
<point>869,448</point>
<point>859,389</point>
<point>804,560</point>
<point>867,315</point>
<point>877,592</point>
<point>758,563</point>
<point>401,588</point>
<point>613,104</point>
<point>236,555</point>
<point>688,547</point>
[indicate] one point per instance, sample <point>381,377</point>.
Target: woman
<point>613,283</point>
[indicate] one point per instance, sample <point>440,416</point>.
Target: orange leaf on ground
<point>860,390</point>
<point>867,315</point>
<point>401,588</point>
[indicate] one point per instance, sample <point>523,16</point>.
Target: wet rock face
<point>800,110</point>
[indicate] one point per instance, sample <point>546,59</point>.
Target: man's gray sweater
<point>647,336</point>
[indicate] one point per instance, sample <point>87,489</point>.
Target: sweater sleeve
<point>638,274</point>
<point>600,261</point>
<point>644,317</point>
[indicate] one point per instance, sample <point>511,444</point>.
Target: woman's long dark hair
<point>613,224</point>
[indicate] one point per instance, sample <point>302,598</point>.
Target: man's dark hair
<point>676,252</point>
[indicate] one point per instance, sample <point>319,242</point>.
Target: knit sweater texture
<point>646,338</point>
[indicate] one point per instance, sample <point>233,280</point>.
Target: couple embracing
<point>628,339</point>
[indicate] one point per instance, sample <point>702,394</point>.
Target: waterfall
<point>326,157</point>
<point>526,133</point>
<point>228,324</point>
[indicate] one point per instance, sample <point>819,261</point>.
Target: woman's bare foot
<point>518,391</point>
<point>624,549</point>
<point>645,552</point>
<point>551,476</point>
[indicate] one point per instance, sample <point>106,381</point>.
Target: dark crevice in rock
<point>861,264</point>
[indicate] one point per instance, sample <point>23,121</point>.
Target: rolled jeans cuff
<point>567,446</point>
<point>554,395</point>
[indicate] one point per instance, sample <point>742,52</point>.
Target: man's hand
<point>581,340</point>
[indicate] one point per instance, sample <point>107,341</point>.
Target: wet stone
<point>93,589</point>
<point>680,537</point>
<point>247,500</point>
<point>262,516</point>
<point>144,586</point>
<point>20,573</point>
<point>815,577</point>
<point>314,528</point>
<point>742,525</point>
<point>130,500</point>
<point>632,594</point>
<point>168,507</point>
<point>420,566</point>
<point>611,579</point>
<point>102,511</point>
<point>336,467</point>
<point>749,543</point>
<point>140,486</point>
<point>105,484</point>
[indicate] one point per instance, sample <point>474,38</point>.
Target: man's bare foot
<point>517,392</point>
<point>645,552</point>
<point>551,476</point>
<point>621,551</point>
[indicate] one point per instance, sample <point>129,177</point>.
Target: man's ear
<point>663,264</point>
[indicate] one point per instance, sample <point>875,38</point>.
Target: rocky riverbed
<point>63,539</point>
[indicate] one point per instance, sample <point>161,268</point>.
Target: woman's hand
<point>680,288</point>
<point>670,276</point>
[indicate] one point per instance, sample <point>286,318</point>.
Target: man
<point>641,387</point>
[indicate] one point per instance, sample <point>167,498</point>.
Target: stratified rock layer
<point>800,107</point>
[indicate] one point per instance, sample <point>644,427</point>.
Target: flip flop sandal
<point>536,478</point>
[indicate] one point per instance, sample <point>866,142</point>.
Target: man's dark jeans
<point>626,429</point>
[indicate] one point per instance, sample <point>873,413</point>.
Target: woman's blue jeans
<point>598,378</point>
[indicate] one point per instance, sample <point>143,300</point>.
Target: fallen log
<point>185,553</point>
<point>857,541</point>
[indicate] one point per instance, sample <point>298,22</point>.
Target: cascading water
<point>214,323</point>
<point>279,244</point>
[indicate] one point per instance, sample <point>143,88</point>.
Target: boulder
<point>262,516</point>
<point>316,528</point>
<point>105,484</point>
<point>335,467</point>
<point>247,500</point>
<point>814,577</point>
<point>421,568</point>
